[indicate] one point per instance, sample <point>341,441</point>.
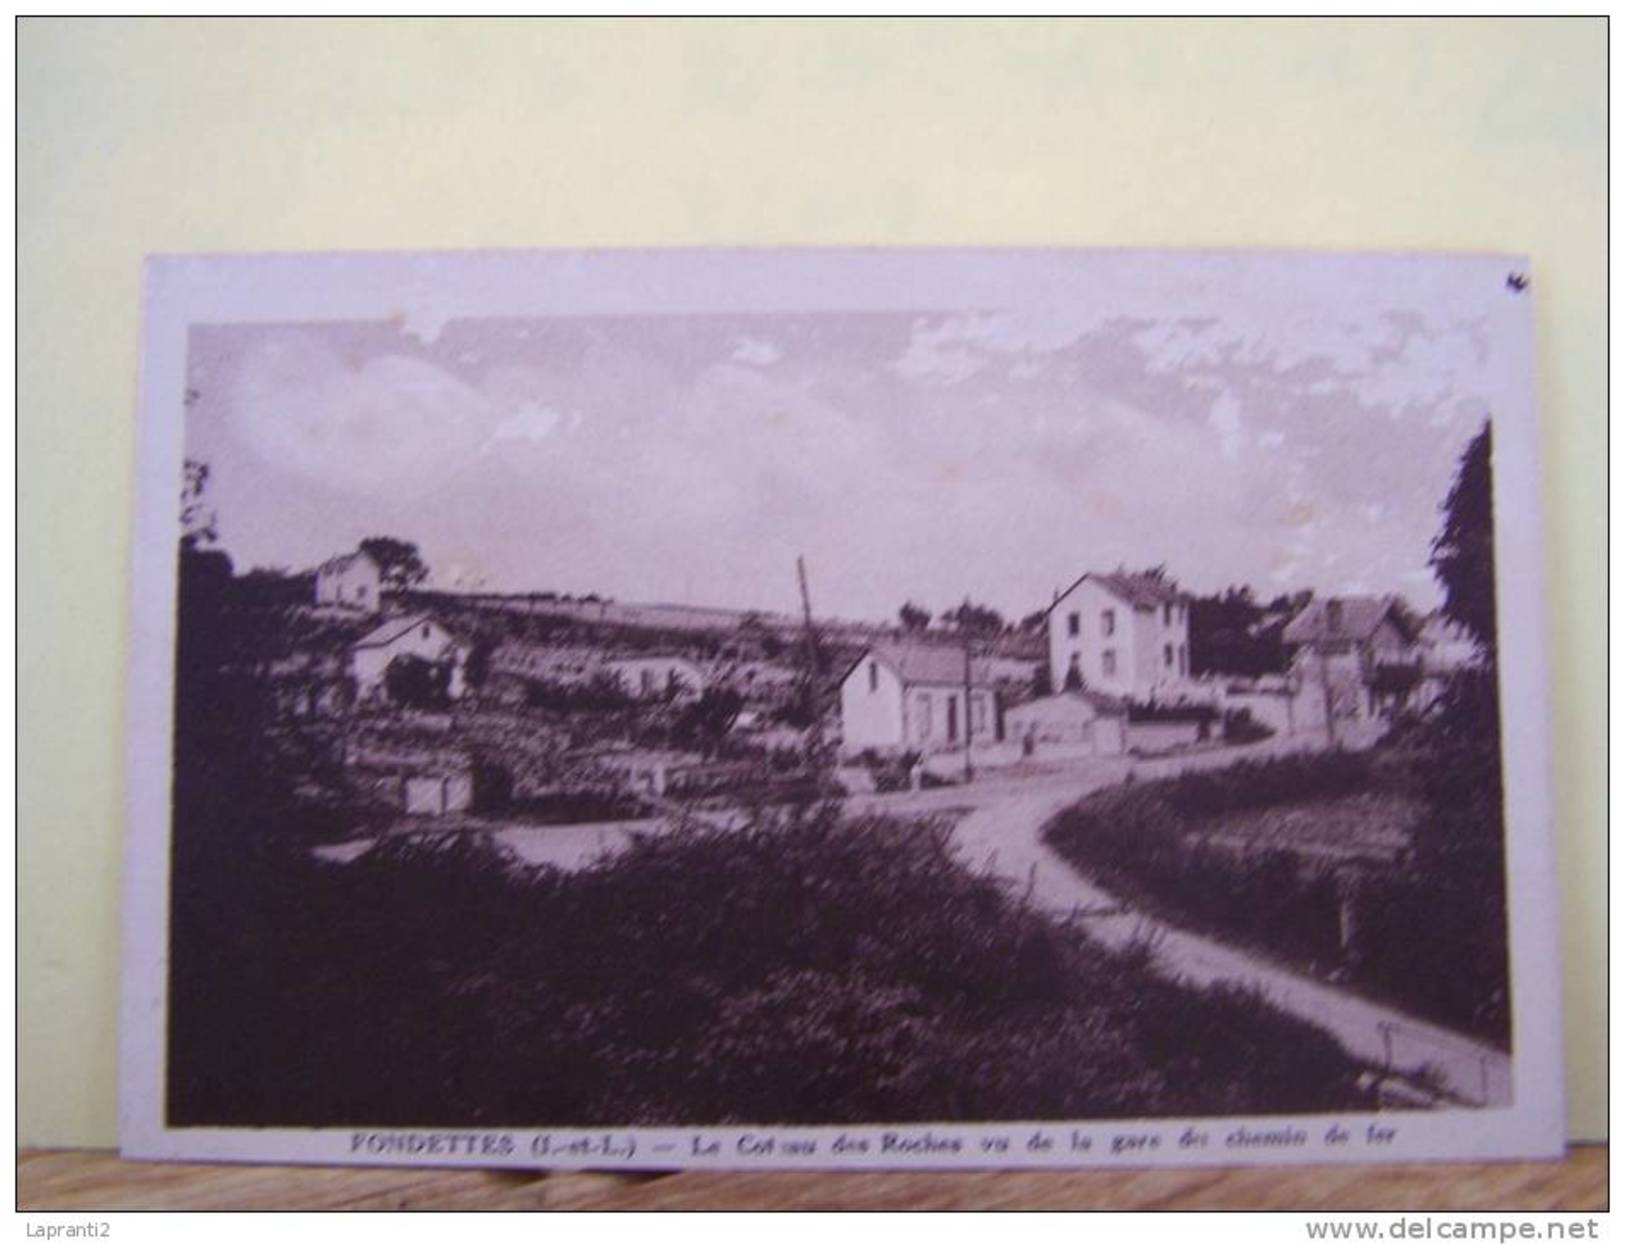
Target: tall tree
<point>1463,556</point>
<point>972,619</point>
<point>199,525</point>
<point>1231,634</point>
<point>1460,842</point>
<point>914,617</point>
<point>399,561</point>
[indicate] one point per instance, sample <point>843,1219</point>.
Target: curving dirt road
<point>1005,838</point>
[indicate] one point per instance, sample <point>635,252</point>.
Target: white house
<point>653,675</point>
<point>416,635</point>
<point>1358,654</point>
<point>915,696</point>
<point>352,581</point>
<point>1120,633</point>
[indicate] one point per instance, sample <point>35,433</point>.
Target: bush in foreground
<point>808,969</point>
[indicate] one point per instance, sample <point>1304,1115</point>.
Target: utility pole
<point>1326,699</point>
<point>815,740</point>
<point>964,632</point>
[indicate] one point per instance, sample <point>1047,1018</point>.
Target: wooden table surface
<point>99,1180</point>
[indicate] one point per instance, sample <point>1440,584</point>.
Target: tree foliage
<point>399,561</point>
<point>1463,556</point>
<point>416,683</point>
<point>1232,634</point>
<point>705,723</point>
<point>803,969</point>
<point>199,524</point>
<point>972,619</point>
<point>477,665</point>
<point>914,618</point>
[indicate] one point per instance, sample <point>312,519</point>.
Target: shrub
<point>803,969</point>
<point>417,683</point>
<point>705,723</point>
<point>601,693</point>
<point>891,771</point>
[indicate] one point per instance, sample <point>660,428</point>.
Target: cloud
<point>533,421</point>
<point>944,352</point>
<point>903,455</point>
<point>754,352</point>
<point>1225,419</point>
<point>370,426</point>
<point>426,320</point>
<point>390,426</point>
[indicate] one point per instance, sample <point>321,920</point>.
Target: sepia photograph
<point>839,709</point>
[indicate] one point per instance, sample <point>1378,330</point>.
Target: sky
<point>994,453</point>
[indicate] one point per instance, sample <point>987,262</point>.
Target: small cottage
<point>917,696</point>
<point>414,635</point>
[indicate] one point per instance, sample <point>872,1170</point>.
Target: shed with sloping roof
<point>1089,720</point>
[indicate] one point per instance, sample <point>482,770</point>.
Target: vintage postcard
<point>656,709</point>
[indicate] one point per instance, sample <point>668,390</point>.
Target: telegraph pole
<point>1326,698</point>
<point>815,740</point>
<point>964,633</point>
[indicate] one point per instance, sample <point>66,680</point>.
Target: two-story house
<point>1121,633</point>
<point>1359,653</point>
<point>351,581</point>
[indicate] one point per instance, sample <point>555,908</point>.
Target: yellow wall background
<point>189,135</point>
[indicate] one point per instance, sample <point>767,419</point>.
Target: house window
<point>425,631</point>
<point>922,716</point>
<point>1108,663</point>
<point>1168,656</point>
<point>1073,624</point>
<point>874,677</point>
<point>1167,615</point>
<point>953,718</point>
<point>1184,661</point>
<point>1108,622</point>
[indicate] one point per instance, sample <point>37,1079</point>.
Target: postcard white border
<point>183,290</point>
